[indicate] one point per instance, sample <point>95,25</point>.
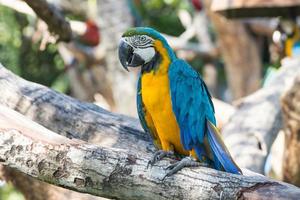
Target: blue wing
<point>220,151</point>
<point>145,118</point>
<point>192,106</point>
<point>191,103</point>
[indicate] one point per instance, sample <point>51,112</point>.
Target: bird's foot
<point>158,155</point>
<point>185,162</point>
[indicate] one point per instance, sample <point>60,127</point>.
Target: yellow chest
<point>156,97</point>
<point>157,101</point>
<point>155,91</point>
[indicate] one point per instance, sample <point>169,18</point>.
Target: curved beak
<point>127,56</point>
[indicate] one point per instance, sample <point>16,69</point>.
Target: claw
<point>185,162</point>
<point>171,166</point>
<point>160,154</point>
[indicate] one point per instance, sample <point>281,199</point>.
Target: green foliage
<point>22,56</point>
<point>40,66</point>
<point>61,84</point>
<point>162,14</point>
<point>7,192</point>
<point>10,41</point>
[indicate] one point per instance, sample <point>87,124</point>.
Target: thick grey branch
<point>70,117</point>
<point>254,126</point>
<point>115,173</point>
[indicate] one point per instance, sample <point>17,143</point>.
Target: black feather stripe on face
<point>153,64</point>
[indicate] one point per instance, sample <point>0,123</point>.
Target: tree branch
<point>116,173</point>
<point>53,18</point>
<point>88,122</point>
<point>254,126</point>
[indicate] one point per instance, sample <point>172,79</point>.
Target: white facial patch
<point>146,54</point>
<point>142,46</point>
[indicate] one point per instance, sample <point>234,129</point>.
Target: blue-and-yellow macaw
<point>174,105</point>
<point>289,36</point>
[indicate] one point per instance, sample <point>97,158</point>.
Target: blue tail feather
<point>220,153</point>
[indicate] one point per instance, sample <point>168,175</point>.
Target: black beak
<point>127,57</point>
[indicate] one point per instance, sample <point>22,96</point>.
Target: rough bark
<point>45,107</point>
<point>53,110</point>
<point>254,126</point>
<point>33,189</point>
<point>291,117</point>
<point>118,173</point>
<point>53,18</point>
<point>241,55</point>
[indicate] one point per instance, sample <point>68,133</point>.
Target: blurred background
<point>235,56</point>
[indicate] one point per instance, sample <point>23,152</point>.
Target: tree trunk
<point>291,116</point>
<point>241,55</point>
<point>114,18</point>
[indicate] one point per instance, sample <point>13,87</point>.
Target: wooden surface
<point>115,169</point>
<point>119,173</point>
<point>256,8</point>
<point>118,136</point>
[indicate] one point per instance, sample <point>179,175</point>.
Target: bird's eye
<point>143,38</point>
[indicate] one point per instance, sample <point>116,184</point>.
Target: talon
<point>158,156</point>
<point>185,162</point>
<point>171,166</point>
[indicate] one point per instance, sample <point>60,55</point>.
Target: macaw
<point>289,36</point>
<point>173,103</point>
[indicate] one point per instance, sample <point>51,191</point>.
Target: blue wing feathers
<point>188,98</point>
<point>193,107</point>
<point>220,152</point>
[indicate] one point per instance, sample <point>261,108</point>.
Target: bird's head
<point>141,46</point>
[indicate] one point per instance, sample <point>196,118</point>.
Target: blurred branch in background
<point>54,19</point>
<point>195,26</point>
<point>241,55</point>
<point>256,8</point>
<point>291,116</point>
<point>223,112</point>
<point>113,18</point>
<point>75,7</point>
<point>191,49</point>
<point>254,126</point>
